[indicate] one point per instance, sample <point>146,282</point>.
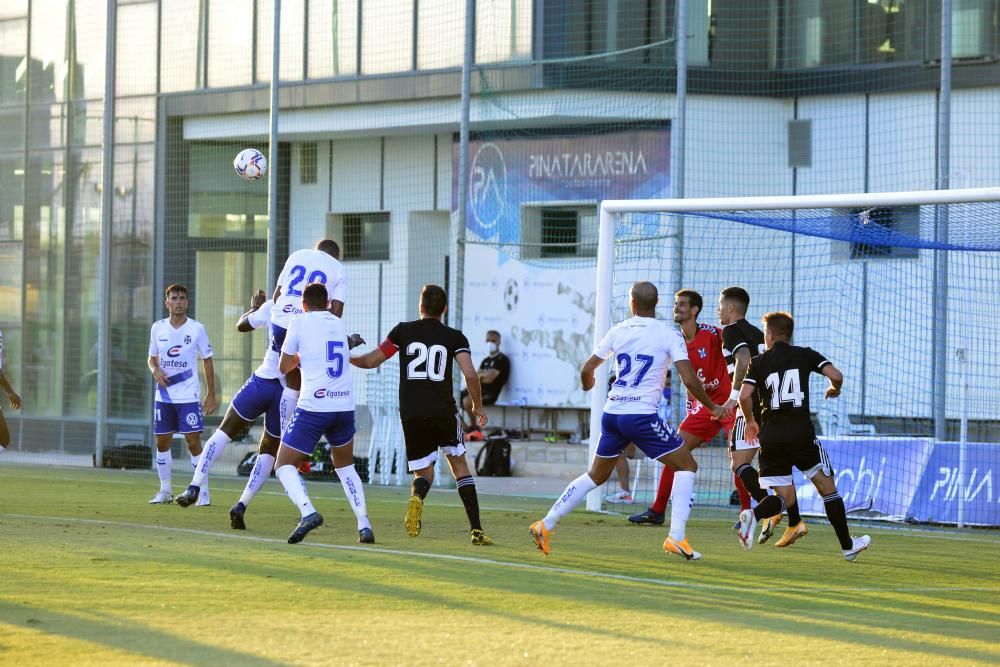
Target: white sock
<point>164,464</point>
<point>295,487</point>
<point>213,450</point>
<point>262,468</point>
<point>289,397</point>
<point>574,494</point>
<point>2,449</point>
<point>355,493</point>
<point>681,499</point>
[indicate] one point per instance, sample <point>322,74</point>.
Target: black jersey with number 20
<point>427,348</point>
<point>781,375</point>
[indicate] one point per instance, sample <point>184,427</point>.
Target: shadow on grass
<point>134,638</point>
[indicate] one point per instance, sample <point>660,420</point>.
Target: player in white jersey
<point>260,395</point>
<point>12,398</point>
<point>317,344</point>
<point>175,344</point>
<point>319,265</point>
<point>644,348</point>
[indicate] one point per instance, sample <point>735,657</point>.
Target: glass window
<point>819,33</point>
<point>292,33</point>
<point>68,49</point>
<point>386,37</point>
<point>559,231</point>
<point>78,124</point>
<point>308,155</point>
<point>135,71</point>
<point>135,120</point>
<point>11,128</point>
<point>365,235</point>
<point>10,285</point>
<point>11,197</point>
<point>974,32</point>
<point>223,205</point>
<point>13,9</point>
<point>503,30</point>
<point>230,43</point>
<point>440,34</point>
<point>333,38</point>
<point>13,47</point>
<point>179,63</point>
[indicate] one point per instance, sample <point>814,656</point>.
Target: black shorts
<point>488,399</point>
<point>425,435</point>
<point>778,456</point>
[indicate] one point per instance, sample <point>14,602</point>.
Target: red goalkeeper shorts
<point>699,422</point>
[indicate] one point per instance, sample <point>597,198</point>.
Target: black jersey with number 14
<point>427,348</point>
<point>781,375</point>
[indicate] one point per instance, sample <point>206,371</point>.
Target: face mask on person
<point>492,347</point>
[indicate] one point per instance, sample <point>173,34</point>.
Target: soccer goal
<point>900,290</point>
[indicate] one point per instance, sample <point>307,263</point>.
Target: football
<point>250,164</point>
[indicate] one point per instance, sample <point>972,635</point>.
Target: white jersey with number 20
<point>644,348</point>
<point>302,268</point>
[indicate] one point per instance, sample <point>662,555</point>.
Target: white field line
<point>876,526</point>
<point>506,564</point>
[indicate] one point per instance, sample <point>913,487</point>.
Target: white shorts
<point>736,441</point>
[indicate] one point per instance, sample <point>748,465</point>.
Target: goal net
<point>899,290</point>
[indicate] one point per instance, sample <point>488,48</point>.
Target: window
<point>364,236</point>
<point>307,163</point>
<point>878,232</point>
<point>558,230</point>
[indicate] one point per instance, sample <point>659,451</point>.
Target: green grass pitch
<point>91,574</point>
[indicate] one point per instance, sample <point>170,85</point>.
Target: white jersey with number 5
<point>644,348</point>
<point>320,339</point>
<point>302,268</point>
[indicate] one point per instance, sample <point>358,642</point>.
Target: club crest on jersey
<point>175,351</point>
<point>702,352</point>
<point>187,340</point>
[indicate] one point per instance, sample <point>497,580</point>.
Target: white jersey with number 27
<point>644,348</point>
<point>302,268</point>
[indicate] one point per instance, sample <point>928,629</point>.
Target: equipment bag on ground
<point>493,459</point>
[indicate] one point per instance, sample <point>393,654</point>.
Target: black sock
<point>421,487</point>
<point>467,492</point>
<point>768,507</point>
<point>836,513</point>
<point>794,518</point>
<point>751,482</point>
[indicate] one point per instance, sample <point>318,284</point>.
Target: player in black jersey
<point>427,407</point>
<point>778,381</point>
<point>740,342</point>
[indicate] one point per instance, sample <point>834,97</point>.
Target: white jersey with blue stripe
<point>320,339</point>
<point>644,348</point>
<point>302,268</point>
<point>268,368</point>
<point>178,350</point>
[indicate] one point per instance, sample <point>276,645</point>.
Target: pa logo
<point>511,295</point>
<point>488,185</point>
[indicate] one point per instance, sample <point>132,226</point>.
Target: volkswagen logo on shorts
<point>174,351</point>
<point>191,419</point>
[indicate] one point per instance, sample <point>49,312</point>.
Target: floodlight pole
<point>458,229</point>
<point>939,348</point>
<point>272,155</point>
<point>678,136</point>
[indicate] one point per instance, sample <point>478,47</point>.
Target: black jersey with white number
<point>781,375</point>
<point>427,349</point>
<point>738,335</point>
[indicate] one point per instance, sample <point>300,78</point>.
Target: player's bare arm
<point>211,403</point>
<point>752,429</point>
<point>694,388</point>
<point>256,301</point>
<point>277,293</point>
<point>836,379</point>
<point>12,397</point>
<point>372,359</point>
<point>464,361</point>
<point>587,372</point>
<point>742,357</point>
<point>154,367</point>
<point>288,362</point>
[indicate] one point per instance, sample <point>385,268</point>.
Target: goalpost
<point>890,286</point>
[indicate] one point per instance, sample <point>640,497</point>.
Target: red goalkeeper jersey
<point>705,354</point>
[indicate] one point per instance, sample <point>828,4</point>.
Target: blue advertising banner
<point>937,495</point>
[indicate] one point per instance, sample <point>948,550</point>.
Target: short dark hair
<point>780,323</point>
<point>329,247</point>
<point>739,295</point>
<point>645,295</point>
<point>174,288</point>
<point>693,298</point>
<point>495,333</point>
<point>433,300</point>
<point>315,296</point>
